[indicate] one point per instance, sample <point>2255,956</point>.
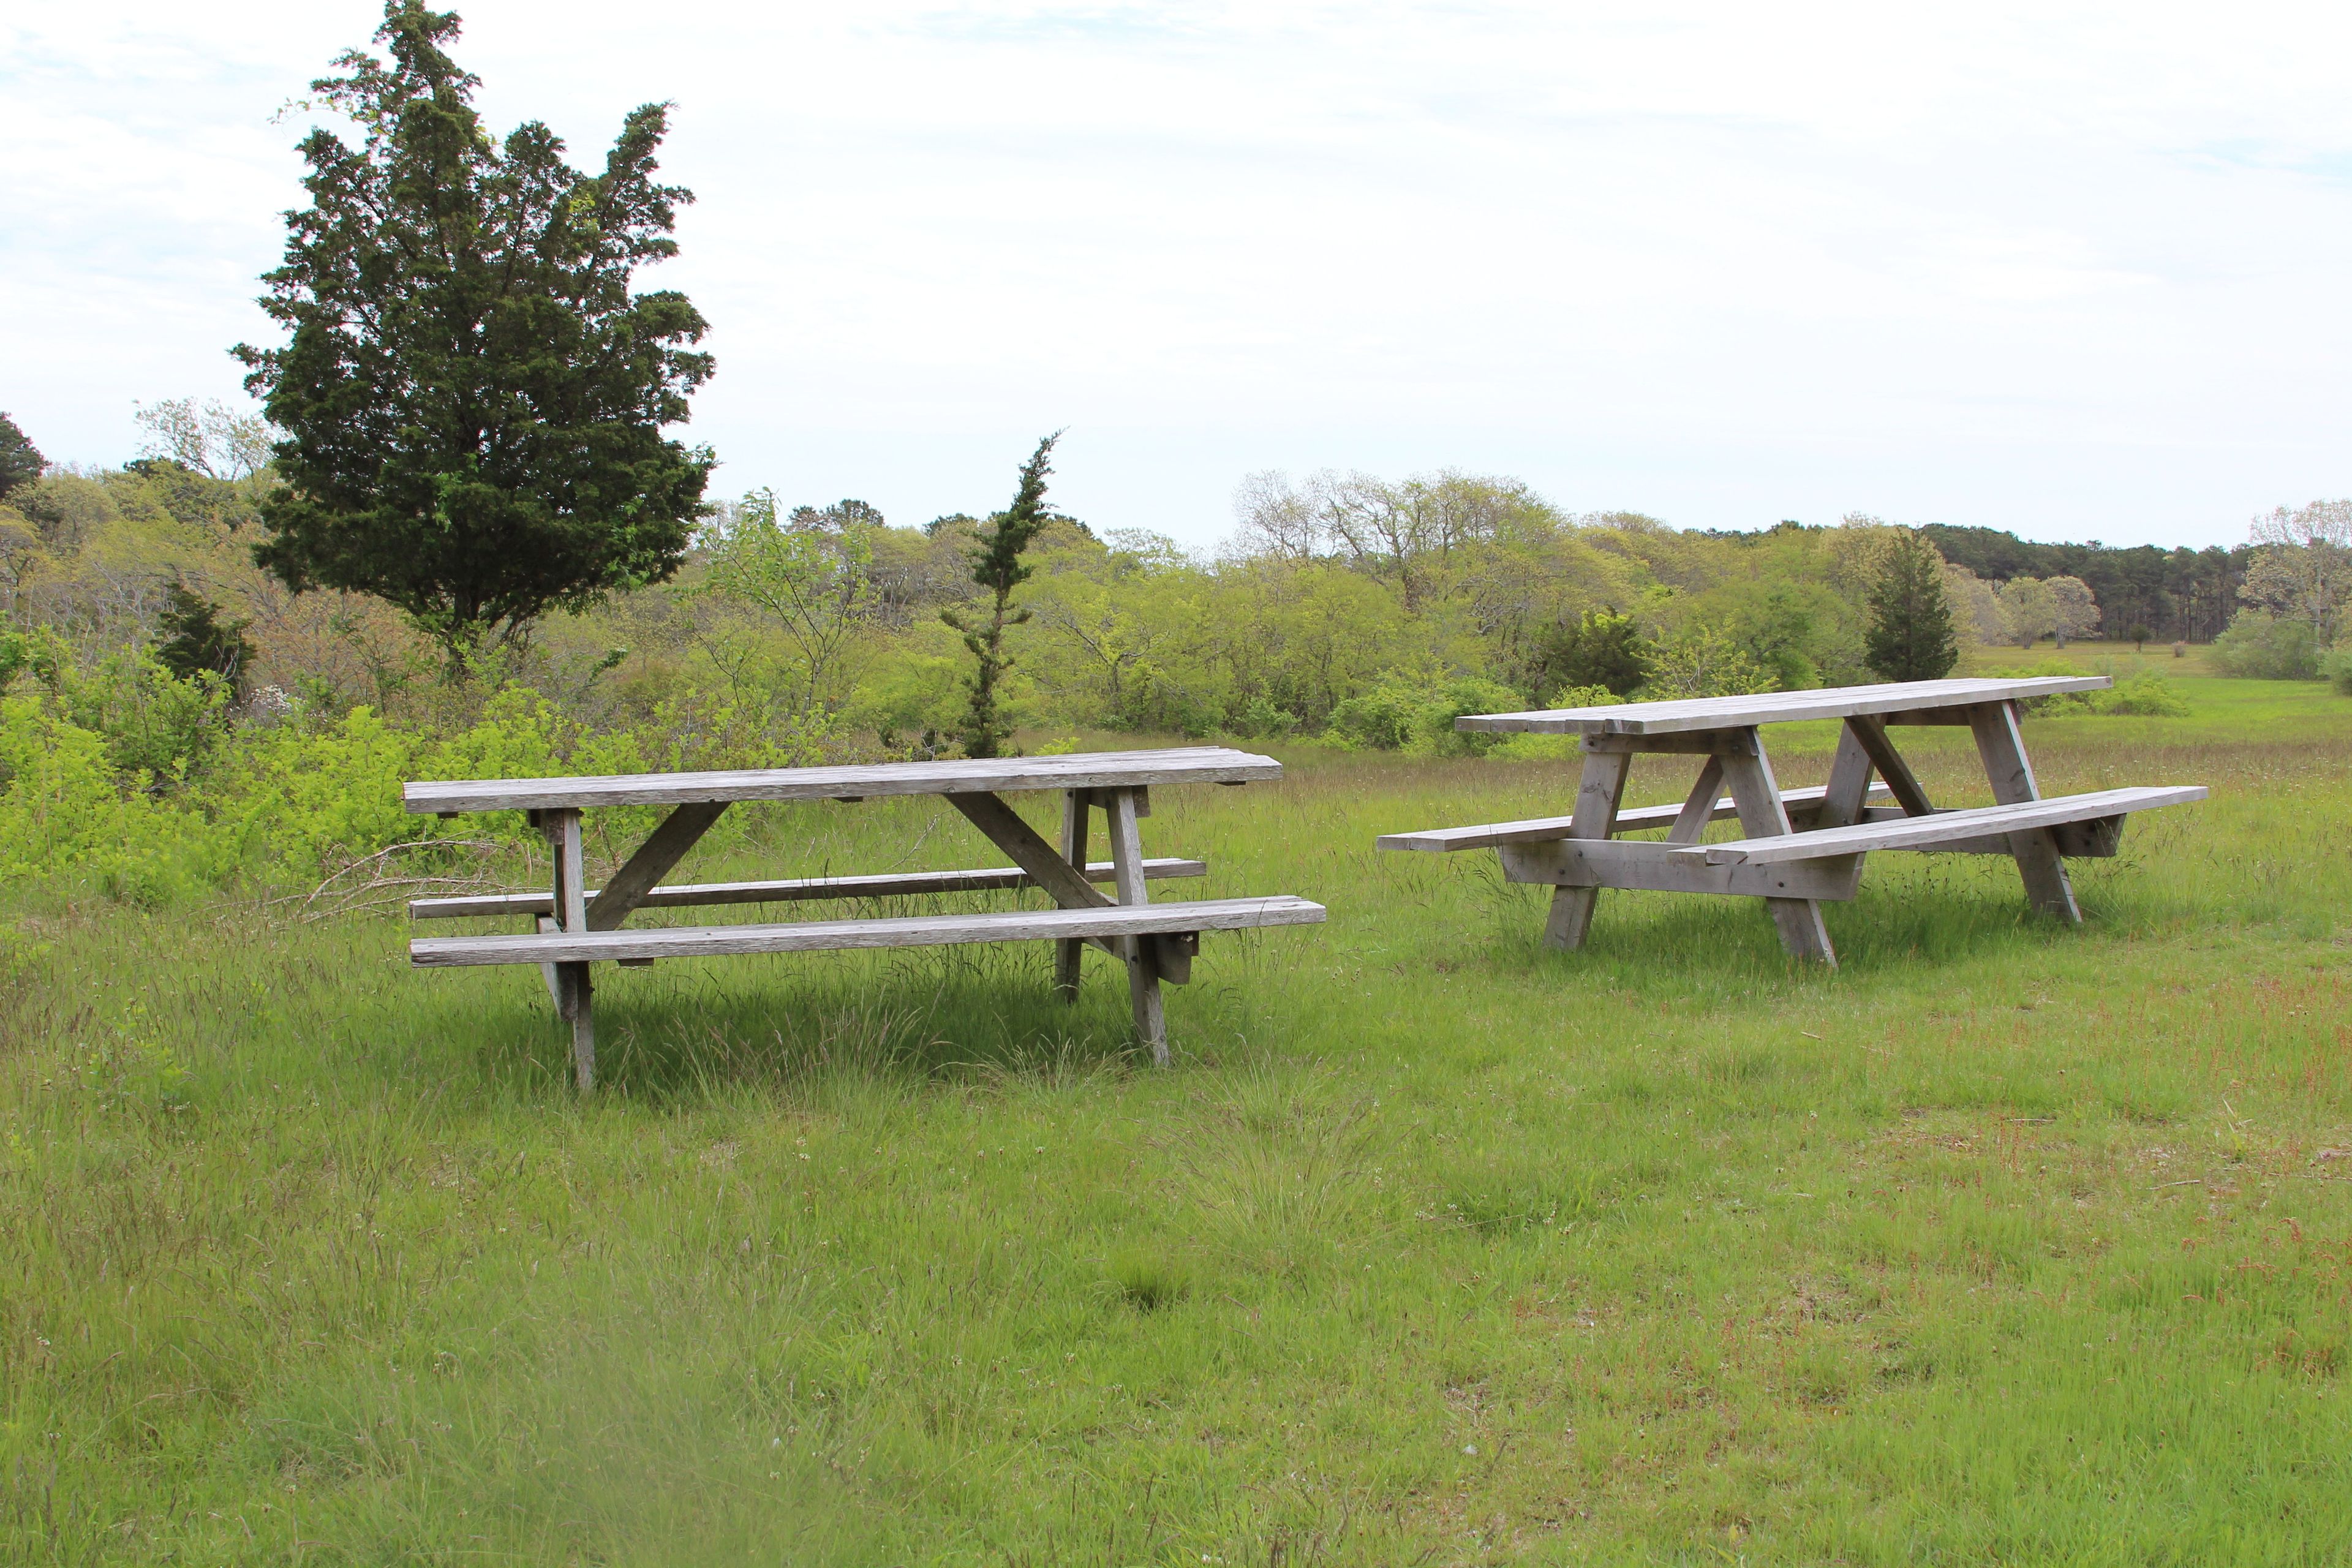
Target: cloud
<point>2069,271</point>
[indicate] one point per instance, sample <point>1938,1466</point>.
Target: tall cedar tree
<point>1911,635</point>
<point>473,399</point>
<point>20,461</point>
<point>996,565</point>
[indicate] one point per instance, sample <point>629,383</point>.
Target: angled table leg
<point>2002,748</point>
<point>1142,954</point>
<point>1598,795</point>
<point>1762,815</point>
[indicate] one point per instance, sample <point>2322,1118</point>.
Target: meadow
<point>2003,1242</point>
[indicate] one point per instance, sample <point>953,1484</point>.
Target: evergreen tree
<point>196,638</point>
<point>996,565</point>
<point>473,399</point>
<point>20,462</point>
<point>1911,635</point>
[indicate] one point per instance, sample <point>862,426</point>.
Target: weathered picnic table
<point>575,925</point>
<point>1805,846</point>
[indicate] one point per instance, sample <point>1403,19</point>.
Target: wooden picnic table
<point>575,925</point>
<point>1800,846</point>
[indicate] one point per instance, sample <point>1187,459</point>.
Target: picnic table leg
<point>2003,747</point>
<point>1762,815</point>
<point>1598,793</point>
<point>1142,952</point>
<point>572,984</point>
<point>1849,788</point>
<point>1075,823</point>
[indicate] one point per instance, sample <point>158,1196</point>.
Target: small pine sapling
<point>997,567</point>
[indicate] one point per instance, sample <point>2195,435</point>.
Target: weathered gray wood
<point>1086,770</point>
<point>1869,735</point>
<point>1847,795</point>
<point>574,992</point>
<point>1109,921</point>
<point>1643,866</point>
<point>663,848</point>
<point>1698,806</point>
<point>2099,838</point>
<point>689,895</point>
<point>1801,804</point>
<point>1598,793</point>
<point>1142,954</point>
<point>1802,933</point>
<point>1944,826</point>
<point>2038,863</point>
<point>1069,955</point>
<point>1043,864</point>
<point>1652,718</point>
<point>1700,743</point>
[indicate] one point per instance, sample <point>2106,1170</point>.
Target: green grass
<point>2002,1243</point>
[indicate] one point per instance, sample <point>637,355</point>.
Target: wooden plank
<point>1699,742</point>
<point>663,850</point>
<point>1069,955</point>
<point>1045,867</point>
<point>1871,736</point>
<point>1142,954</point>
<point>2099,838</point>
<point>2038,863</point>
<point>689,895</point>
<point>1078,770</point>
<point>1945,826</point>
<point>1762,816</point>
<point>1775,706</point>
<point>1643,867</point>
<point>1697,808</point>
<point>1598,793</point>
<point>574,991</point>
<point>1801,804</point>
<point>1847,795</point>
<point>904,931</point>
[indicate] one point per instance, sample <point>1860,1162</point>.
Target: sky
<point>2078,272</point>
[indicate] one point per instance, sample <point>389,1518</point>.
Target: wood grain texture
<point>662,850</point>
<point>689,895</point>
<point>1142,954</point>
<point>1697,809</point>
<point>1800,805</point>
<point>1069,955</point>
<point>1599,792</point>
<point>1643,867</point>
<point>818,936</point>
<point>1847,795</point>
<point>1868,733</point>
<point>1686,714</point>
<point>1927,832</point>
<point>1080,770</point>
<point>1804,934</point>
<point>2001,747</point>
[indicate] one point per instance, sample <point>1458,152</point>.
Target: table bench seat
<point>687,895</point>
<point>1802,805</point>
<point>1941,830</point>
<point>644,944</point>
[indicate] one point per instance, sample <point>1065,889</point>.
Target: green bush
<point>2261,646</point>
<point>2337,667</point>
<point>2146,694</point>
<point>1398,716</point>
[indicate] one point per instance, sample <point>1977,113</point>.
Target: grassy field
<point>2001,1244</point>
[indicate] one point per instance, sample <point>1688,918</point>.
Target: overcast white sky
<point>2076,272</point>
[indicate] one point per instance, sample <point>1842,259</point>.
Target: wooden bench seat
<point>642,945</point>
<point>1943,830</point>
<point>687,895</point>
<point>1802,805</point>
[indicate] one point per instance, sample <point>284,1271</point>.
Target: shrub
<point>2337,667</point>
<point>1397,716</point>
<point>2147,694</point>
<point>2263,646</point>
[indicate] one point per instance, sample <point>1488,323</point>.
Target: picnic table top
<point>1688,713</point>
<point>1075,770</point>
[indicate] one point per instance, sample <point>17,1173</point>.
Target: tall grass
<point>2003,1242</point>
